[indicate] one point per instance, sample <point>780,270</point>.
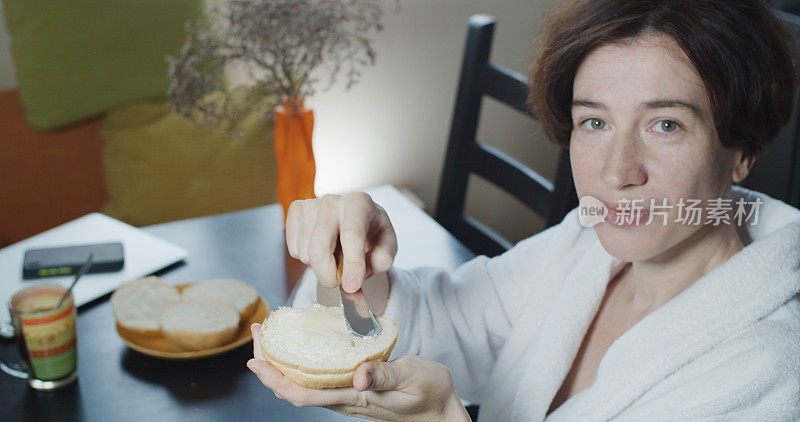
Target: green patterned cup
<point>45,335</point>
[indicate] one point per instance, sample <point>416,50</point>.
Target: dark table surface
<point>119,384</point>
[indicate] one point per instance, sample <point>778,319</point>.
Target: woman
<point>677,319</point>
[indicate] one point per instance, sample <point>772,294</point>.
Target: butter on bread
<point>138,305</point>
<point>313,347</point>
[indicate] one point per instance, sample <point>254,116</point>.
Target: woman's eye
<point>666,126</point>
<point>594,124</point>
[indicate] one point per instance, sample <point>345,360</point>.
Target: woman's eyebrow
<point>580,102</point>
<point>668,103</point>
<point>654,104</point>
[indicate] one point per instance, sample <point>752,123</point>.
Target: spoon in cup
<point>78,275</point>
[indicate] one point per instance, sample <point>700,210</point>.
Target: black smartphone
<point>52,262</point>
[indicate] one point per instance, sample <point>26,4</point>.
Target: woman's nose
<point>623,165</point>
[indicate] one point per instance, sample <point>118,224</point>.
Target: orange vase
<point>294,156</point>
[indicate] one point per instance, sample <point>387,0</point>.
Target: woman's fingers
<point>357,216</point>
<point>383,390</point>
<point>274,380</point>
<point>381,257</point>
<point>287,389</point>
<point>369,243</point>
<point>363,377</point>
<point>384,243</point>
<point>381,376</point>
<point>293,221</point>
<point>322,242</point>
<point>255,332</point>
<point>377,414</point>
<point>309,218</point>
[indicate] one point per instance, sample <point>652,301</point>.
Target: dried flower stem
<point>280,43</point>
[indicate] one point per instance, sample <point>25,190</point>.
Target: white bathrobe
<point>726,348</point>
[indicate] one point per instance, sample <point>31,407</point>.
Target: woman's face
<point>643,130</point>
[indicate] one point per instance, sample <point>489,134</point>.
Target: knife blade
<point>357,316</point>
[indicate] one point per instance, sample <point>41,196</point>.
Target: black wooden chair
<point>466,154</point>
<point>777,169</point>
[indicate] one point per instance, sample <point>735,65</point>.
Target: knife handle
<point>339,258</point>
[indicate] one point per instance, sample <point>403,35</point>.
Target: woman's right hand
<point>369,243</point>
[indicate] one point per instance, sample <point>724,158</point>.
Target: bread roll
<point>313,347</point>
<point>200,324</point>
<point>242,295</point>
<point>138,305</point>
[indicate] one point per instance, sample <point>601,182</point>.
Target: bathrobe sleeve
<point>463,318</point>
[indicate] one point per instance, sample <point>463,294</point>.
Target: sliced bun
<point>240,294</point>
<point>313,347</point>
<point>200,324</point>
<point>138,305</point>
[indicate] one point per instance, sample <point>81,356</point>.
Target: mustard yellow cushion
<point>160,167</point>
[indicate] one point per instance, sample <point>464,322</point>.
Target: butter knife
<point>358,318</point>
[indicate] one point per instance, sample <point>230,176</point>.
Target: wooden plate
<point>161,347</point>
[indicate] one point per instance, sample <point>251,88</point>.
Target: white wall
<point>393,126</point>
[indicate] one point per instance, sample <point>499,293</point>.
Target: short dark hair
<point>742,52</point>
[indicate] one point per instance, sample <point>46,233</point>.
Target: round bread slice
<point>242,295</point>
<point>138,305</point>
<point>200,324</point>
<point>313,347</point>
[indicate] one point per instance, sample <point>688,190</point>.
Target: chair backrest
<point>466,154</point>
<point>777,169</point>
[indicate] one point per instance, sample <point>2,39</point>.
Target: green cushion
<point>78,58</point>
<point>160,167</point>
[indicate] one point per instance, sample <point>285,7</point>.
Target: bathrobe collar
<point>750,285</point>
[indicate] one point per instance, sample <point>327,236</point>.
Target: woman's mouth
<point>627,217</point>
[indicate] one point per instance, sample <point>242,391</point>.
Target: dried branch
<point>280,43</point>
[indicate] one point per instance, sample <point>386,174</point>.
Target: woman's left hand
<point>408,388</point>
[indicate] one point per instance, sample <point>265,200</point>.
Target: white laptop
<point>144,255</point>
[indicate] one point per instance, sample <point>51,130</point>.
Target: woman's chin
<point>629,244</point>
